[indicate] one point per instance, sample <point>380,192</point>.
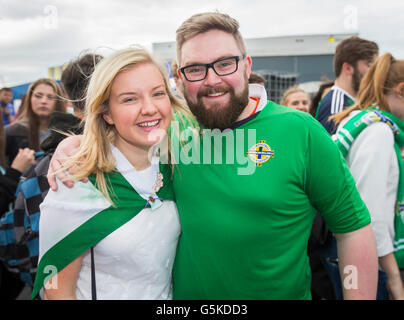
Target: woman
<point>126,213</point>
<point>43,97</point>
<point>319,95</point>
<point>370,134</point>
<point>296,98</point>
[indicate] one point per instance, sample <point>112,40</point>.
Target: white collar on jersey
<point>258,91</point>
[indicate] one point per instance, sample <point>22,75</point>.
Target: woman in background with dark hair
<point>319,95</point>
<point>43,97</point>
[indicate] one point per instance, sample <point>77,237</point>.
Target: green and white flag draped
<point>85,218</point>
<point>344,139</point>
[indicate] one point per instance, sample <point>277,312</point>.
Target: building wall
<point>306,68</point>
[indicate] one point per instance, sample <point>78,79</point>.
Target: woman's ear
<point>108,118</point>
<point>400,89</point>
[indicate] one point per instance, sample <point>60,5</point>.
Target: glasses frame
<point>211,65</point>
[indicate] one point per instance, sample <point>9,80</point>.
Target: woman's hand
<point>24,159</point>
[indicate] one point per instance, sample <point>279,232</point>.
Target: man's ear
<point>179,74</point>
<point>248,62</point>
<point>108,118</point>
<point>347,68</point>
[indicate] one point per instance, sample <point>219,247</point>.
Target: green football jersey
<point>246,207</point>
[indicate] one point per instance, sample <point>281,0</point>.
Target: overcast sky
<point>36,34</point>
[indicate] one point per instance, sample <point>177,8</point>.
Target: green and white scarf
<point>346,136</point>
<point>88,217</point>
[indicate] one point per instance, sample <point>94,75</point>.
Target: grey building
<point>283,61</point>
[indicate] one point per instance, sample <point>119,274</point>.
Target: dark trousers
<point>10,284</point>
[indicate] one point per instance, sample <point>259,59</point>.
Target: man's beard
<point>356,80</point>
<point>218,116</point>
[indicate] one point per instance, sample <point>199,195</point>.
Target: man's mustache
<point>213,90</point>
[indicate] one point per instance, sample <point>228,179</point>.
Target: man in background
<point>352,60</point>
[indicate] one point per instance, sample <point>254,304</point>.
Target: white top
<point>373,164</point>
<point>133,262</point>
<point>136,260</point>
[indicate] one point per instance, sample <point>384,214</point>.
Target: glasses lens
<point>226,66</point>
<point>193,73</point>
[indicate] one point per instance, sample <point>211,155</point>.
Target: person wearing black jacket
<point>10,285</point>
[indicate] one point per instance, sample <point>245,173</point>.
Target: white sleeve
<point>64,210</point>
<point>373,164</point>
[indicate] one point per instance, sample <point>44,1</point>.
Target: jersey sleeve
<point>329,184</point>
<point>369,160</point>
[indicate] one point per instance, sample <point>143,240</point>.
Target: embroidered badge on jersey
<point>260,153</point>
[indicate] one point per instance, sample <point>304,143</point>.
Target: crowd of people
<point>312,210</point>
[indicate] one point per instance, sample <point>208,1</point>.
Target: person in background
<point>374,159</point>
<point>353,58</point>
<point>10,284</point>
<point>256,78</point>
<point>296,98</point>
<point>6,96</point>
<point>178,82</point>
<point>44,96</point>
<point>319,95</point>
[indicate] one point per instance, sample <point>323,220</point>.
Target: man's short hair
<point>75,78</point>
<point>203,22</point>
<point>353,49</point>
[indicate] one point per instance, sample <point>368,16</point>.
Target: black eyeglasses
<point>222,67</point>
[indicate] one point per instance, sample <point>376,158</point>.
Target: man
<point>244,230</point>
<point>247,237</point>
<point>6,96</point>
<point>353,58</point>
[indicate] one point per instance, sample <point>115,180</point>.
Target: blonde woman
<point>296,98</point>
<point>370,135</point>
<point>126,214</point>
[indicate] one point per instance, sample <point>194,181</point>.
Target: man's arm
<point>64,151</point>
<point>358,263</point>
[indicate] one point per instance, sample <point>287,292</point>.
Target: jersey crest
<point>260,153</point>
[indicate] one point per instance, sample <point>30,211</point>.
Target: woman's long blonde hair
<point>94,155</point>
<point>385,74</point>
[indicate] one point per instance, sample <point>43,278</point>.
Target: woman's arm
<point>394,284</point>
<point>63,285</point>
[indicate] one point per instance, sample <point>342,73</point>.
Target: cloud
<point>42,33</point>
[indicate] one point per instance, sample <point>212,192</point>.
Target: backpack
<point>19,227</point>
